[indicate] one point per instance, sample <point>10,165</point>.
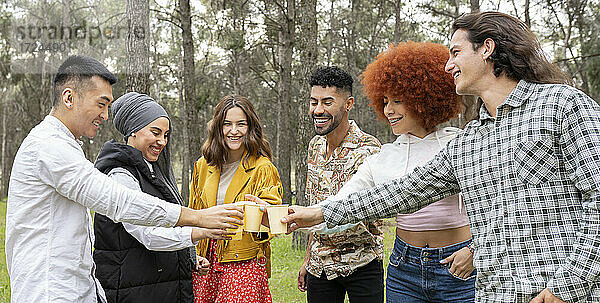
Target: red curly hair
<point>415,72</point>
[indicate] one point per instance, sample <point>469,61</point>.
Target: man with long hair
<point>528,169</point>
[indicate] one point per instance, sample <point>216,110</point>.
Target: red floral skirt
<point>232,282</point>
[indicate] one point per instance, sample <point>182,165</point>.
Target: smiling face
<point>235,127</point>
<point>151,139</point>
<point>328,108</point>
<point>86,110</point>
<point>401,120</point>
<point>467,66</point>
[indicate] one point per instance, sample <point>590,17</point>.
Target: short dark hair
<point>517,53</point>
<point>333,76</point>
<point>76,71</point>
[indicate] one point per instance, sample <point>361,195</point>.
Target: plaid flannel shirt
<point>531,182</point>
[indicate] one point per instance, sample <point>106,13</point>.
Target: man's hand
<point>202,265</point>
<point>299,216</point>
<point>302,278</point>
<point>216,217</point>
<point>216,234</point>
<point>462,263</point>
<point>547,297</point>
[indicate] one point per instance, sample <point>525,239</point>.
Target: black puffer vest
<point>127,270</point>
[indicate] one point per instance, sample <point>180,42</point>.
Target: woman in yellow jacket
<point>235,162</point>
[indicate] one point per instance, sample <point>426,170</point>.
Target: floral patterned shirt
<point>340,254</point>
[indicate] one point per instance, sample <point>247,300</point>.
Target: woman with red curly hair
<point>432,259</point>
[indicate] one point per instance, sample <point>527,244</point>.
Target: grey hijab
<point>131,112</point>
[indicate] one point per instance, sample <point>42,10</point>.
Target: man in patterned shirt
<point>350,260</point>
<point>529,170</point>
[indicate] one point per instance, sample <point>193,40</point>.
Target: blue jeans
<point>416,275</point>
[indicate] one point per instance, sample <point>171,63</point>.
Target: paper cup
<point>252,217</point>
<point>240,229</point>
<point>276,213</point>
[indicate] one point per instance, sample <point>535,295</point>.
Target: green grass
<point>4,280</point>
<point>284,270</point>
<point>287,260</point>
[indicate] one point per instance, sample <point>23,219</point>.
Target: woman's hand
<point>202,265</point>
<point>462,263</point>
<point>215,234</point>
<point>263,207</point>
<point>221,216</point>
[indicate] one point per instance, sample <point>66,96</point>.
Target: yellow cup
<point>240,229</point>
<point>276,213</point>
<point>252,217</point>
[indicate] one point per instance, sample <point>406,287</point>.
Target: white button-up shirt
<point>49,234</point>
<point>153,238</point>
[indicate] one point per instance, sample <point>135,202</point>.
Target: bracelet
<point>471,248</point>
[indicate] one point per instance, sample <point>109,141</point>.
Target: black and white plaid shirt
<point>531,182</point>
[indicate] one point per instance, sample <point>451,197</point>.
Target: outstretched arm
<point>423,186</point>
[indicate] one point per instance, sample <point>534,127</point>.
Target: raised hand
<point>299,216</point>
<point>216,217</point>
<point>215,234</point>
<point>222,216</point>
<point>263,205</point>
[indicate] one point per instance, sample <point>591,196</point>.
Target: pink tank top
<point>444,214</point>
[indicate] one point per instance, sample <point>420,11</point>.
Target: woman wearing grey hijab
<point>140,263</point>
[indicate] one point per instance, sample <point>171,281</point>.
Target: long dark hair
<point>214,149</point>
<point>518,53</point>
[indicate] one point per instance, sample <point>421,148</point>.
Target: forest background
<point>188,54</point>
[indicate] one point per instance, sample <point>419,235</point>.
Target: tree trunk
<point>66,19</point>
<point>527,16</point>
<point>398,19</point>
<point>307,46</point>
<point>330,32</point>
<point>284,86</point>
<point>474,6</point>
<point>138,46</point>
<point>185,166</point>
<point>3,164</point>
<point>190,113</point>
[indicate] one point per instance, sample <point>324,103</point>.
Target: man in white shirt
<point>48,225</point>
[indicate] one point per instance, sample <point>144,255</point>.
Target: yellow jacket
<point>256,176</point>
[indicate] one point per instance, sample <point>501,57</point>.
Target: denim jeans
<point>416,275</point>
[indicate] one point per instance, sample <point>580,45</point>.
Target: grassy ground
<point>4,282</point>
<point>286,262</point>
